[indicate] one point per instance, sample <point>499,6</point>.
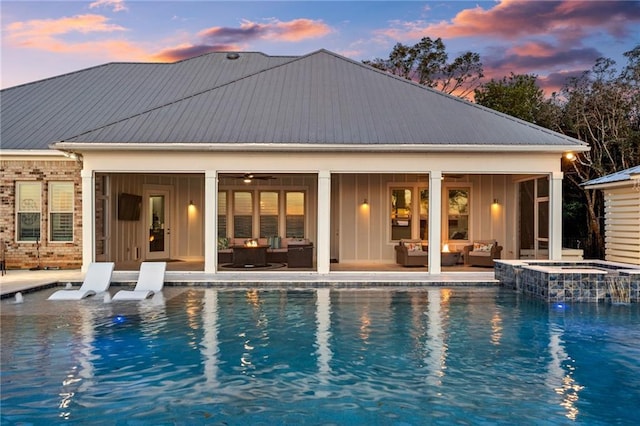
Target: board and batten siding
<point>622,225</point>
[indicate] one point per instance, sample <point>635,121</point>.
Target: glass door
<point>158,224</point>
<point>533,219</point>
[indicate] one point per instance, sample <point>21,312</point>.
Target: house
<point>621,214</point>
<point>135,161</point>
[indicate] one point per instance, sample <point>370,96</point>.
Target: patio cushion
<point>412,245</point>
<point>483,246</point>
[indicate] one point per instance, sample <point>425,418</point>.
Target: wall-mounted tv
<point>129,206</point>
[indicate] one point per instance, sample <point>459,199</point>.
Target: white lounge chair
<point>96,281</point>
<point>150,281</point>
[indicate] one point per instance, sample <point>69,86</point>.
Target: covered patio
<point>367,215</point>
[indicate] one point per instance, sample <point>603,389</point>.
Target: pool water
<point>327,356</point>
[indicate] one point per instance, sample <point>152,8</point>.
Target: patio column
<point>323,247</point>
<point>435,220</point>
<point>555,216</point>
<point>210,221</point>
<point>88,218</point>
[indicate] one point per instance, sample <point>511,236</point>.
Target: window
<point>400,213</point>
<point>222,214</point>
<point>243,214</point>
<point>294,211</point>
<point>268,214</point>
<point>458,214</point>
<point>61,211</point>
<point>28,210</point>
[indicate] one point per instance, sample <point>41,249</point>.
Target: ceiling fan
<point>248,177</point>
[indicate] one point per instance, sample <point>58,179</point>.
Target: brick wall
<point>24,255</point>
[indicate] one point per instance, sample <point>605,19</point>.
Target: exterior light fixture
<point>365,202</point>
<point>495,201</point>
<point>570,156</point>
<point>191,203</point>
<point>72,155</point>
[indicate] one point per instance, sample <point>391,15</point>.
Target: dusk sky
<point>551,39</point>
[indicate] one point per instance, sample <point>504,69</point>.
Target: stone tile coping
<point>566,270</point>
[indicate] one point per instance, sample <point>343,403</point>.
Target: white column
<point>210,221</point>
<point>435,220</point>
<point>323,246</point>
<point>555,216</point>
<point>88,218</point>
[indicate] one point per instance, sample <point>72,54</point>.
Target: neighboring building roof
<point>622,177</point>
<point>317,99</point>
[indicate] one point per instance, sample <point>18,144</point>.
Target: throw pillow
<point>413,247</point>
<point>223,243</point>
<point>482,247</point>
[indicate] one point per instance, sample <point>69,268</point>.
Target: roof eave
<point>303,147</point>
<point>31,153</point>
<point>610,185</point>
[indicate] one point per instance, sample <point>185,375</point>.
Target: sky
<point>551,39</point>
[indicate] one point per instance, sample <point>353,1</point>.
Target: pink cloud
<point>290,31</point>
<point>532,48</point>
<point>186,51</point>
<point>49,35</point>
<point>511,19</point>
<point>115,5</point>
<point>84,24</point>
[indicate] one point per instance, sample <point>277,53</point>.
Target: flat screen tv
<point>129,206</point>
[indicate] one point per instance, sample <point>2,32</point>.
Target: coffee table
<point>449,258</point>
<point>249,256</point>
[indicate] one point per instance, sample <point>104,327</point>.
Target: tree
<point>517,95</point>
<point>426,63</point>
<point>602,108</point>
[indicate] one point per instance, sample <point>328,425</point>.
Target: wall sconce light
<point>495,201</point>
<point>365,202</point>
<point>191,203</point>
<point>570,156</point>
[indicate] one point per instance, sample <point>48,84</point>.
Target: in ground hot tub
<point>572,281</point>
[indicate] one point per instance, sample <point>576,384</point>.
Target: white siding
<point>622,225</point>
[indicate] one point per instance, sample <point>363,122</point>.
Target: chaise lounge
<point>150,281</point>
<point>96,281</point>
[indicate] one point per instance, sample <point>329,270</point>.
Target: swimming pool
<point>327,356</point>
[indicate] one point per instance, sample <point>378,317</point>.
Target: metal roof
<point>621,176</point>
<point>317,99</point>
<point>36,114</point>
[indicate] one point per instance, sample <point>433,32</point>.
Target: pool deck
<point>26,280</point>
